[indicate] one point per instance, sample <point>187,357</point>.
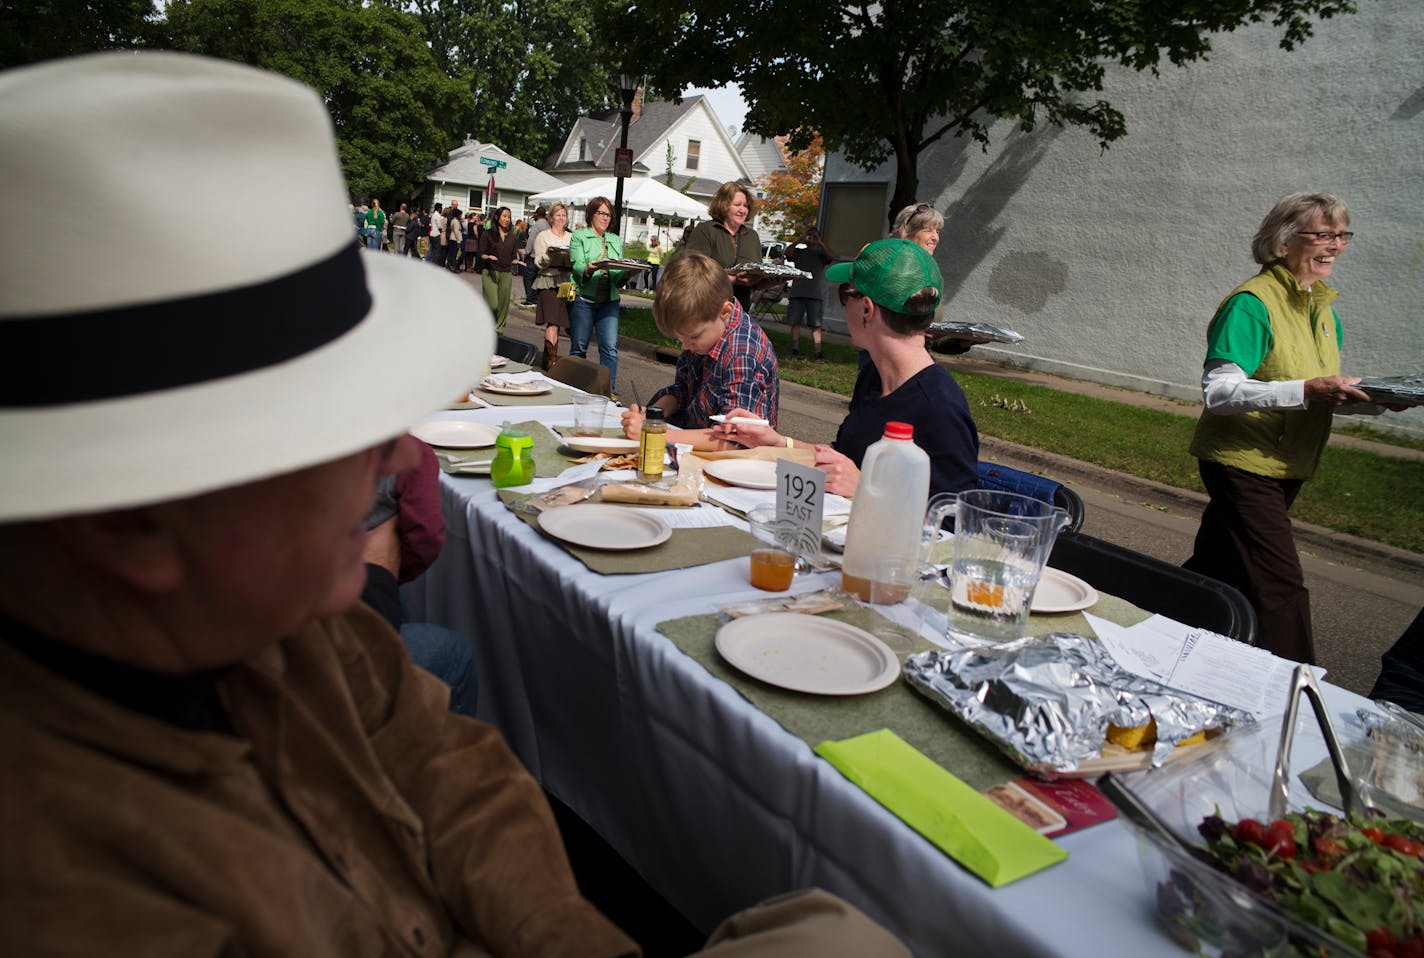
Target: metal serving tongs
<point>1351,798</point>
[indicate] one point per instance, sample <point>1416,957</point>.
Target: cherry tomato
<point>1381,953</point>
<point>1380,937</point>
<point>1404,845</point>
<point>1280,839</point>
<point>1413,948</point>
<point>1251,832</point>
<point>1327,847</point>
<point>1375,835</point>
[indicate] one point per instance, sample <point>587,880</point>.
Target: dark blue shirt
<point>933,403</point>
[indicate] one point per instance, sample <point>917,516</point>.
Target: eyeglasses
<point>847,291</point>
<point>602,213</point>
<point>1326,236</point>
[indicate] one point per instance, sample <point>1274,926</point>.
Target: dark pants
<point>1401,678</point>
<point>1245,540</point>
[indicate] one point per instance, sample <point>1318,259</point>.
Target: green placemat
<point>558,396</point>
<point>683,549</point>
<point>550,456</point>
<point>609,432</point>
<point>930,729</point>
<point>511,367</point>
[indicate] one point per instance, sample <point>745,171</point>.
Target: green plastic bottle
<point>513,459</point>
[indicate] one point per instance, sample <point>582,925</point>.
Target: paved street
<point>1363,594</point>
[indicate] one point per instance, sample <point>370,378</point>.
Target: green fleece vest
<point>1279,443</point>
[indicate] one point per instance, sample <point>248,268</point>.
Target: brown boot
<point>551,354</point>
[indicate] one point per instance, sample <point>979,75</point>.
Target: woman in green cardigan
<point>595,308</point>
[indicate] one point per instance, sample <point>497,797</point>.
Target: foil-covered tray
<point>625,264</point>
<point>973,332</point>
<point>1046,701</point>
<point>769,271</point>
<point>1402,390</point>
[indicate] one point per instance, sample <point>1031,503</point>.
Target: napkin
<point>683,492</point>
<point>965,825</point>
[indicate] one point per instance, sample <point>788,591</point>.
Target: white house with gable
<point>682,144</point>
<point>464,178</point>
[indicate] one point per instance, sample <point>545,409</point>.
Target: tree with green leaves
<point>883,78</point>
<point>34,30</point>
<point>395,112</point>
<point>529,68</point>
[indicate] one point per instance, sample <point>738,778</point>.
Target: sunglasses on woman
<point>847,291</point>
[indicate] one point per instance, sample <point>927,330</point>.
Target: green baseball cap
<point>890,271</point>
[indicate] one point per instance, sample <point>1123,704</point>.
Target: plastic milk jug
<point>888,510</point>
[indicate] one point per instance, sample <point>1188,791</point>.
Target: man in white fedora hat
<point>207,746</point>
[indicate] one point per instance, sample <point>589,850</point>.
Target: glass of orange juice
<point>774,549</point>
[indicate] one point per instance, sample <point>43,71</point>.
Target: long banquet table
<point>711,800</point>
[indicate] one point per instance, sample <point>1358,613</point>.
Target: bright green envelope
<point>968,827</point>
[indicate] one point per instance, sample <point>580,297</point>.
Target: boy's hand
<point>633,421</point>
<point>747,435</point>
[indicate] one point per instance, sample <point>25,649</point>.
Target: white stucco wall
<point>1111,263</point>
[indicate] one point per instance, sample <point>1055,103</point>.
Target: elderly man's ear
<point>136,547</point>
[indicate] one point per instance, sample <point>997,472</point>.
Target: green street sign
<point>491,161</point>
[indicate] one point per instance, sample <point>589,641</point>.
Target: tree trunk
<point>907,179</point>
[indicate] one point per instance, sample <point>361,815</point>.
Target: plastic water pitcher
<point>888,511</point>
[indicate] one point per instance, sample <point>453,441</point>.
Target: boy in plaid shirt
<point>727,362</point>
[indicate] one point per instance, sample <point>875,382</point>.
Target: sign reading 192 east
<point>492,162</point>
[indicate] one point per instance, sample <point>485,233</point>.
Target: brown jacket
<point>353,815</point>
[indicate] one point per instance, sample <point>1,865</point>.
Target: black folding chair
<point>992,475</point>
<point>516,350</point>
<point>1156,586</point>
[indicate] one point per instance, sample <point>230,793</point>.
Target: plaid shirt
<point>740,371</point>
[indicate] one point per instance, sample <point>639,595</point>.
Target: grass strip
<point>1353,491</point>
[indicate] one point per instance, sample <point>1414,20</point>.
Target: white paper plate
<point>613,444</point>
<point>516,388</point>
<point>835,538</point>
<point>455,433</point>
<point>808,653</point>
<point>747,473</point>
<point>1060,592</point>
<point>599,526</point>
<point>497,361</point>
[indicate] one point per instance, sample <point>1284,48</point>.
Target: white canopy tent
<point>640,194</point>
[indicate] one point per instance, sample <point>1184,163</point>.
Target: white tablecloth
<point>712,801</point>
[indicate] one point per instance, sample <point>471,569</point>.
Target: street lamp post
<point>622,162</point>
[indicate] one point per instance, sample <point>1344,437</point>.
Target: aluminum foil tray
<point>1046,701</point>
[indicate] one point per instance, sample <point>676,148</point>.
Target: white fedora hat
<point>194,313</point>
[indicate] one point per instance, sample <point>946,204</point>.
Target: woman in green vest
<point>1270,385</point>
